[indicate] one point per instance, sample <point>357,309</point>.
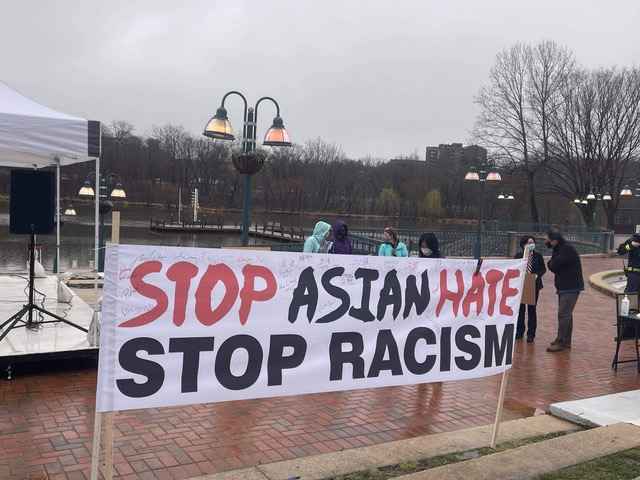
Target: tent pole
<point>57,269</point>
<point>97,212</point>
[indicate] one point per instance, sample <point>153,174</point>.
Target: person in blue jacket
<point>392,247</point>
<point>318,241</point>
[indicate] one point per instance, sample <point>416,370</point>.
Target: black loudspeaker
<point>32,202</point>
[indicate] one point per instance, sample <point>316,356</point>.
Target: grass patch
<point>619,466</point>
<point>405,468</point>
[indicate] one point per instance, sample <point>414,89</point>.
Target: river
<point>77,234</point>
<point>77,244</point>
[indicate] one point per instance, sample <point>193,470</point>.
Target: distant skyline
<point>378,78</point>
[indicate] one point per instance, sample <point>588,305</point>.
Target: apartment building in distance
<point>455,155</point>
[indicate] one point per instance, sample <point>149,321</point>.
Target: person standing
<point>392,247</point>
<point>631,248</point>
<point>428,246</point>
<point>535,266</point>
<point>318,241</point>
<point>341,241</point>
<point>566,266</point>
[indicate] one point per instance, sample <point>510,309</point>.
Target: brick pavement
<point>46,419</point>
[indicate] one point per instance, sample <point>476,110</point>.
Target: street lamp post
<point>248,163</point>
<point>482,176</point>
<point>70,211</point>
<point>506,197</point>
<point>595,198</point>
<point>626,191</point>
<point>109,181</point>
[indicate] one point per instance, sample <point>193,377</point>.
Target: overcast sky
<point>379,78</point>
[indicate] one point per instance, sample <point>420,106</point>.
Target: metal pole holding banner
<point>103,422</point>
<point>505,377</point>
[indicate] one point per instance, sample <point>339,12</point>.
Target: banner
<point>189,325</point>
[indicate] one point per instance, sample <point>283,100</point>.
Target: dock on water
<point>268,231</point>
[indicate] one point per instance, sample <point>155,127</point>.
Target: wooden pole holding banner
<point>496,423</point>
<point>107,462</point>
<point>95,448</point>
<point>103,422</point>
<point>504,379</point>
<point>115,227</point>
<point>107,439</point>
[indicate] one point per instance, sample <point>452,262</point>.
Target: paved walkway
<point>46,419</point>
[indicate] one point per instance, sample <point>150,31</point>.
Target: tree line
<point>314,177</point>
<point>559,131</point>
<point>564,128</point>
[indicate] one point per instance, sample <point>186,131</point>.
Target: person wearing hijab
<point>341,242</point>
<point>392,247</point>
<point>317,242</point>
<point>536,266</point>
<point>428,246</point>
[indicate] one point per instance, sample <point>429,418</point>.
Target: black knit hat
<point>555,235</point>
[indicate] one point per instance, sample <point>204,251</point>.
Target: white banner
<point>189,325</point>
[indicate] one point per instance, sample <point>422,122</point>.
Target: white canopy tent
<point>35,136</point>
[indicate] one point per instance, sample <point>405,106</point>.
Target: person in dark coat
<point>536,266</point>
<point>428,246</point>
<point>565,264</point>
<point>631,248</point>
<point>341,241</point>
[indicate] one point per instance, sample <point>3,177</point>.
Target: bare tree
<point>120,129</point>
<point>522,93</point>
<point>596,137</point>
<point>327,157</point>
<point>177,143</point>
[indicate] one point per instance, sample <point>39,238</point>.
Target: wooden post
<point>103,422</point>
<point>95,450</point>
<point>503,382</point>
<point>107,460</point>
<point>498,419</point>
<point>115,227</point>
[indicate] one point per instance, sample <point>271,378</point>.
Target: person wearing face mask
<point>566,266</point>
<point>318,241</point>
<point>392,247</point>
<point>631,248</point>
<point>429,246</point>
<point>535,265</point>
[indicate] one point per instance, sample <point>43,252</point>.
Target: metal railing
<point>494,243</point>
<point>499,225</point>
<point>79,253</point>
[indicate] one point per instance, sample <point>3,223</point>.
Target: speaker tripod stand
<point>18,319</point>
